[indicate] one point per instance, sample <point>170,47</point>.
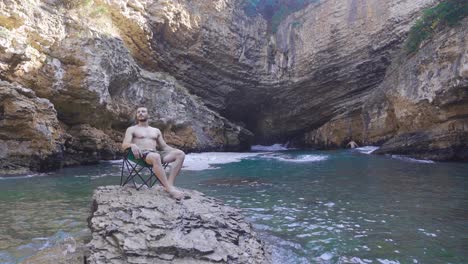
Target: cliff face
<point>321,61</point>
<point>30,132</point>
<point>207,72</point>
<point>419,109</point>
<point>328,57</point>
<point>94,62</point>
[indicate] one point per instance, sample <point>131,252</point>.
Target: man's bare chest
<point>145,134</point>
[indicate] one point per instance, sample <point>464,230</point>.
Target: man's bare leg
<point>177,158</point>
<point>155,160</point>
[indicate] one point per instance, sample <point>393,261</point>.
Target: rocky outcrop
<point>93,61</point>
<point>322,61</point>
<point>30,134</point>
<point>421,107</point>
<point>208,73</point>
<point>328,57</point>
<point>130,226</point>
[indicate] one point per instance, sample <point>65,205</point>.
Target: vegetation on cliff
<point>274,11</point>
<point>446,13</point>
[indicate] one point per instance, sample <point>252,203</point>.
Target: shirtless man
<point>352,144</point>
<point>144,141</point>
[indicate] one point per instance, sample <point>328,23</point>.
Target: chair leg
<point>122,171</point>
<point>147,182</point>
<point>135,171</point>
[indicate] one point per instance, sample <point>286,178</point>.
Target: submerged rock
<point>68,251</point>
<point>148,226</point>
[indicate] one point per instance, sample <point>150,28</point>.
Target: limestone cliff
<point>30,132</point>
<point>208,73</point>
<point>419,109</point>
<point>130,226</point>
<point>94,62</point>
<point>328,57</point>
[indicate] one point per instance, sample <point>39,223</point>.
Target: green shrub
<point>446,13</point>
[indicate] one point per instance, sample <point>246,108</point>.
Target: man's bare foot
<point>174,193</point>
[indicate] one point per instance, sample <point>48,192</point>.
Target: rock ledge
<point>147,226</point>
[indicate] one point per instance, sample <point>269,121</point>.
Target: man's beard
<point>142,119</point>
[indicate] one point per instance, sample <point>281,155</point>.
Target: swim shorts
<point>162,153</point>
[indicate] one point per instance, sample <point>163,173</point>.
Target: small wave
<point>24,176</point>
<point>111,161</point>
<point>386,261</point>
<point>355,260</point>
<point>102,175</point>
<point>367,149</point>
<point>301,158</point>
<point>274,147</point>
<point>427,233</point>
<point>411,159</point>
<point>326,256</point>
<point>207,160</point>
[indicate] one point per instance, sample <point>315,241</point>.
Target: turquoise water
<point>310,207</point>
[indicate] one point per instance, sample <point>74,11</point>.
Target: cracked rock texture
<point>93,61</point>
<point>419,110</point>
<point>212,77</point>
<point>29,131</point>
<point>148,226</point>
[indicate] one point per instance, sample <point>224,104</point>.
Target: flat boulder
<point>148,226</point>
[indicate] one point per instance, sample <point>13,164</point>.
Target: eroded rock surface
<point>30,134</point>
<point>93,61</point>
<point>420,108</point>
<point>148,226</point>
<point>328,58</point>
<point>210,75</point>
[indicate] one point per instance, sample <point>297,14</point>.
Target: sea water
<point>308,206</point>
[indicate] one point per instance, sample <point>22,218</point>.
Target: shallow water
<point>310,207</point>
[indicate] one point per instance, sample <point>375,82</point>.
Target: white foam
<point>302,158</point>
<point>427,233</point>
<point>355,260</point>
<point>274,147</point>
<point>386,261</point>
<point>367,149</point>
<point>112,161</point>
<point>206,160</point>
<point>326,256</point>
<point>411,159</point>
<point>103,175</point>
<point>24,176</point>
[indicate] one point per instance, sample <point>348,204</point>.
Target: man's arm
<point>161,143</point>
<point>127,143</point>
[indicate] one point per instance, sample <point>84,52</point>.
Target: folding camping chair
<point>137,171</point>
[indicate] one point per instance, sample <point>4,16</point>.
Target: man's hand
<point>136,151</point>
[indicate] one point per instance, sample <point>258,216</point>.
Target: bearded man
<point>147,143</point>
